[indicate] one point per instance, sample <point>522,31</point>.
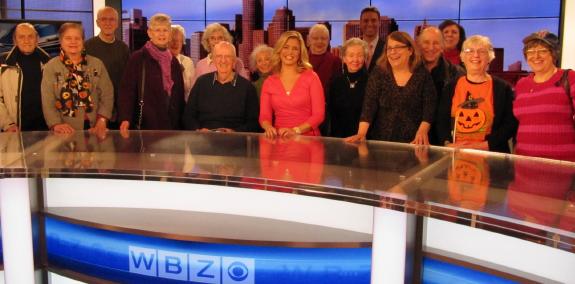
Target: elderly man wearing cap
<point>545,102</point>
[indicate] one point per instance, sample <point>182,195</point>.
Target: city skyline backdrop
<point>505,22</point>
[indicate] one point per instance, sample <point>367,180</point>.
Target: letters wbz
<point>196,268</point>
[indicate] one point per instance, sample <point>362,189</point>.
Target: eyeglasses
<point>396,48</point>
<point>533,52</point>
<point>480,51</point>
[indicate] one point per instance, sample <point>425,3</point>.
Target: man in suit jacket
<point>369,22</point>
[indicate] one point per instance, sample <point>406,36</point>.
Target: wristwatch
<point>297,130</point>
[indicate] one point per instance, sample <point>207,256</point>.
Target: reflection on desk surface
<point>464,185</point>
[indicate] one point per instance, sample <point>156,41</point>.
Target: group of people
<point>434,89</point>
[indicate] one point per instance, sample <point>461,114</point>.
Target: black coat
<point>160,111</point>
<point>504,123</point>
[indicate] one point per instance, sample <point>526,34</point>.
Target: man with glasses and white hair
<point>20,79</point>
<point>222,100</point>
<point>113,52</point>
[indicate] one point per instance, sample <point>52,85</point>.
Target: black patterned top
<point>395,112</point>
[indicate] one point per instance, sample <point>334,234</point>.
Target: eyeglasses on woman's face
<point>537,52</point>
<point>480,51</point>
<point>396,48</point>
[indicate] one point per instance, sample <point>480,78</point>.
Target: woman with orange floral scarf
<point>77,93</point>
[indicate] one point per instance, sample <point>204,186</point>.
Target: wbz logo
<point>197,268</point>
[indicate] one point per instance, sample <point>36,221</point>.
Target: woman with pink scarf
<point>152,91</point>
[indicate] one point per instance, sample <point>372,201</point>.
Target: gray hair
<point>160,19</point>
<point>429,30</point>
<point>318,27</point>
<point>259,49</point>
<point>227,44</point>
<point>105,9</point>
<point>355,41</point>
<point>212,28</point>
<point>479,40</point>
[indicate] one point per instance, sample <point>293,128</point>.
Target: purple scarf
<point>164,58</point>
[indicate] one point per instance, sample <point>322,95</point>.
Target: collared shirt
<point>371,49</point>
<point>206,66</point>
<point>233,81</point>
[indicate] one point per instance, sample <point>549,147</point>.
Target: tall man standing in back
<point>20,79</point>
<point>113,52</point>
<point>369,22</point>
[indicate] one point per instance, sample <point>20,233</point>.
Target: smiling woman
<point>400,97</point>
<point>475,110</point>
<point>292,100</point>
<point>77,93</point>
<point>152,89</point>
<point>545,102</point>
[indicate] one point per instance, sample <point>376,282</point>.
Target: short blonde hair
<point>160,19</point>
<point>212,28</point>
<point>303,61</point>
<point>259,49</point>
<point>405,38</point>
<point>478,40</point>
<point>355,41</point>
<point>69,26</point>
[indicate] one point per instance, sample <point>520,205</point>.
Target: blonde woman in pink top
<point>292,100</point>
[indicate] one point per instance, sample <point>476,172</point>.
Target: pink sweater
<point>305,103</point>
<point>545,120</point>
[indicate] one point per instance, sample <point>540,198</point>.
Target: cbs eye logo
<point>238,271</point>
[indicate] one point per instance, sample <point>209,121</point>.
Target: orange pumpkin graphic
<point>469,117</point>
<point>469,120</point>
<point>468,181</point>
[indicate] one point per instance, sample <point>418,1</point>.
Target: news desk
<point>159,206</point>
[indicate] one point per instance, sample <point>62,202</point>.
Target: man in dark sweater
<point>222,100</point>
<point>20,79</point>
<point>430,42</point>
<point>113,52</point>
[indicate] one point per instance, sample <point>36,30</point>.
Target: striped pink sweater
<point>546,126</point>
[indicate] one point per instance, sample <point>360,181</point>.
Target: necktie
<point>369,55</point>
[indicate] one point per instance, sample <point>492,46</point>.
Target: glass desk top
<point>526,197</point>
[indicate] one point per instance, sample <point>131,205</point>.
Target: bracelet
<point>297,130</point>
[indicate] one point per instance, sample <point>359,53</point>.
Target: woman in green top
<point>261,65</point>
